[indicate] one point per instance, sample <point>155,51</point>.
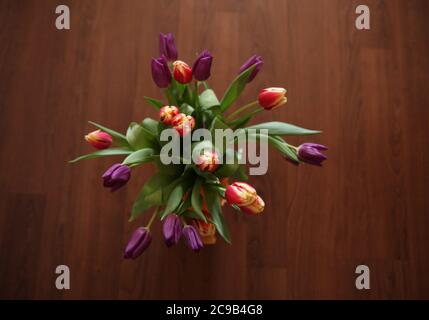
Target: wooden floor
<point>367,90</point>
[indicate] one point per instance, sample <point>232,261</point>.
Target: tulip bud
<point>99,139</point>
<point>116,176</point>
<point>182,72</point>
<point>167,113</point>
<point>172,230</point>
<point>240,194</point>
<point>253,60</point>
<point>310,153</point>
<point>206,230</point>
<point>160,72</point>
<point>183,124</point>
<point>167,46</point>
<point>202,66</point>
<point>208,161</point>
<point>138,243</point>
<point>255,207</point>
<point>192,238</point>
<point>271,98</point>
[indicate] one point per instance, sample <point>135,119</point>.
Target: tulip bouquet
<point>188,194</point>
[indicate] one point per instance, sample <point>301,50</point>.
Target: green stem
<point>206,85</point>
<point>184,221</point>
<point>293,147</point>
<point>171,100</point>
<point>197,103</point>
<point>240,110</point>
<point>247,116</point>
<point>155,213</point>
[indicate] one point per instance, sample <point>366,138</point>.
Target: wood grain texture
<point>367,90</point>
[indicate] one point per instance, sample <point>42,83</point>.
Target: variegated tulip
<point>206,230</point>
<point>271,98</point>
<point>167,113</point>
<point>99,139</point>
<point>240,194</point>
<point>183,124</point>
<point>208,161</point>
<point>255,207</point>
<point>182,72</point>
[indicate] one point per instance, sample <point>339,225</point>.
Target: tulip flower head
<point>192,238</point>
<point>116,176</point>
<point>202,66</point>
<point>167,46</point>
<point>206,230</point>
<point>310,153</point>
<point>167,113</point>
<point>160,72</point>
<point>138,243</point>
<point>240,194</point>
<point>271,98</point>
<point>253,60</point>
<point>99,139</point>
<point>182,72</point>
<point>255,207</point>
<point>208,161</point>
<point>183,124</point>
<point>172,229</point>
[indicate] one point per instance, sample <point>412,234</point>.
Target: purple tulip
<point>202,66</point>
<point>192,238</point>
<point>160,72</point>
<point>116,176</point>
<point>253,60</point>
<point>310,153</point>
<point>172,230</point>
<point>167,46</point>
<point>138,243</point>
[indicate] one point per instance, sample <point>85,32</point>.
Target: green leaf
<point>190,214</point>
<point>283,147</point>
<point>151,126</point>
<point>235,89</point>
<point>174,199</point>
<point>279,144</point>
<point>240,174</point>
<point>119,138</point>
<point>185,205</point>
<point>186,109</point>
<point>150,194</point>
<point>155,102</point>
<point>207,176</point>
<point>217,123</point>
<point>213,204</point>
<point>196,199</point>
<point>283,128</point>
<point>139,156</point>
<point>171,169</point>
<point>208,99</point>
<point>103,153</point>
<point>177,89</point>
<point>228,169</point>
<point>138,137</point>
<point>241,122</point>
